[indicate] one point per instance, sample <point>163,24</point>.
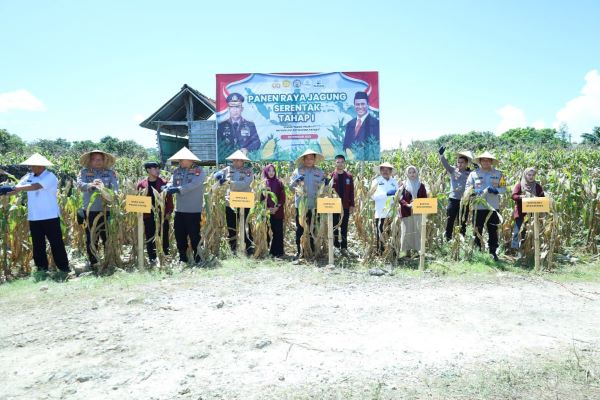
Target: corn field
<point>570,177</point>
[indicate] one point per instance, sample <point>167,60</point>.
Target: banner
<point>276,117</point>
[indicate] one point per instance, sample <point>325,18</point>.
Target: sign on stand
<point>536,205</point>
<point>241,200</point>
<point>329,206</point>
<point>424,207</point>
<point>139,205</point>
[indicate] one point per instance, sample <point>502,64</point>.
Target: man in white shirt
<point>383,190</point>
<point>43,214</point>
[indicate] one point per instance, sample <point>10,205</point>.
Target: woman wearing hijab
<point>528,187</point>
<point>275,206</point>
<point>412,188</point>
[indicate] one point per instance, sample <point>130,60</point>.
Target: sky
<point>83,70</point>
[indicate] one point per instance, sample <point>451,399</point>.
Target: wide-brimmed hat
<point>184,154</point>
<point>238,155</point>
<point>318,157</point>
<point>386,164</point>
<point>465,153</point>
<point>109,159</point>
<point>489,155</point>
<point>37,160</point>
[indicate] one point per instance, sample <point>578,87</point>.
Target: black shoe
<point>495,257</point>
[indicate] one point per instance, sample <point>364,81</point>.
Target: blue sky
<point>82,69</point>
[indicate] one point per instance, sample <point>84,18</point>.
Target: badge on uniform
<point>347,181</point>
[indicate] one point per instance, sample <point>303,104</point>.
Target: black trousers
<point>276,249</point>
<point>100,229</point>
<point>150,231</point>
<point>491,227</point>
<point>379,223</point>
<point>232,222</point>
<point>48,229</point>
<point>187,226</point>
<point>300,229</point>
<point>343,228</point>
<point>453,212</point>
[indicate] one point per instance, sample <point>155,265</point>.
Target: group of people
<point>479,188</point>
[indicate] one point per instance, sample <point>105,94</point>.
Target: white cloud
<point>20,100</point>
<point>138,118</point>
<point>582,113</point>
<point>512,117</point>
<point>539,124</point>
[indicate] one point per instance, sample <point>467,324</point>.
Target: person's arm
<point>114,182</point>
<point>26,188</point>
<point>296,179</point>
<point>449,168</point>
<point>82,185</point>
<point>516,193</point>
<point>403,199</point>
<point>539,190</point>
<point>281,198</point>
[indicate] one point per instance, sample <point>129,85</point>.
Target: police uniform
<point>313,178</point>
<point>91,211</point>
<point>458,184</point>
<point>480,180</point>
<point>238,134</point>
<point>239,181</point>
<point>382,209</point>
<point>188,208</point>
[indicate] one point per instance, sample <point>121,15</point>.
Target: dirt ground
<point>299,332</point>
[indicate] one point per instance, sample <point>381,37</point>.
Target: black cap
<point>361,95</point>
<point>235,99</point>
<point>151,164</point>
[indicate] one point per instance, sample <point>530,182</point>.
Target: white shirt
<point>42,203</point>
<point>382,210</point>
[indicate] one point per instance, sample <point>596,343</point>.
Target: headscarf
<point>272,183</point>
<point>528,187</point>
<point>412,185</point>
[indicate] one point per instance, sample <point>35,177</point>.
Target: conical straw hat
<point>37,160</point>
<point>489,155</point>
<point>386,164</point>
<point>109,159</point>
<point>184,154</point>
<point>318,157</point>
<point>238,155</point>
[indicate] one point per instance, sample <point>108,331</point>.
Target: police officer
<point>237,132</point>
<point>487,184</point>
<point>383,187</point>
<point>96,176</point>
<point>43,214</point>
<point>187,184</point>
<point>458,183</point>
<point>310,178</point>
<point>239,178</point>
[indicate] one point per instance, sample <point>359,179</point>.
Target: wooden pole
<point>330,236</point>
<point>423,237</point>
<point>140,232</point>
<point>242,232</point>
<point>536,240</point>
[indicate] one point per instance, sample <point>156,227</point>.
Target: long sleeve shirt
<point>480,179</point>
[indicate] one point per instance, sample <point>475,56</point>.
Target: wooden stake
<point>423,237</point>
<point>330,236</point>
<point>242,232</point>
<point>536,241</point>
<point>140,232</point>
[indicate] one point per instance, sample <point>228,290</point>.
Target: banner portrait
<point>276,117</point>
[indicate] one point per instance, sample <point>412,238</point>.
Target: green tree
<point>592,138</point>
<point>531,137</point>
<point>10,142</point>
<point>55,147</point>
